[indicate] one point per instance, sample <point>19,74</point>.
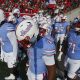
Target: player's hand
<point>25,44</point>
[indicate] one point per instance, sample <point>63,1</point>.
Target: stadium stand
<point>32,6</point>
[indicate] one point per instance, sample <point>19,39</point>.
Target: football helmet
<point>26,28</point>
<point>25,32</point>
<point>44,29</point>
<point>16,12</point>
<point>75,20</point>
<point>64,17</point>
<point>12,18</point>
<point>2,15</point>
<point>42,20</point>
<point>77,26</point>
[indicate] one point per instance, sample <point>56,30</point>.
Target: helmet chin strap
<point>47,32</point>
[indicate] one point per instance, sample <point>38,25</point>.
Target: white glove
<point>59,56</point>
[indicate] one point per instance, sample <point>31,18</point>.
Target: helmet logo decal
<point>23,32</point>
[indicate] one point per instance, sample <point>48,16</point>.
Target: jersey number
<point>72,45</point>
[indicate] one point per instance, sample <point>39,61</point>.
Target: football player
<point>16,13</point>
<point>72,61</point>
<point>41,53</point>
<point>61,28</point>
<point>12,19</point>
<point>8,44</point>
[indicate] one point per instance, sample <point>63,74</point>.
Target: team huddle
<point>39,35</point>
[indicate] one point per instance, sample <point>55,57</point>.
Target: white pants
<point>31,76</point>
<point>60,37</point>
<point>72,67</point>
<point>9,58</point>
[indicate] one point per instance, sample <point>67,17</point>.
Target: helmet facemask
<point>42,32</point>
<point>44,29</point>
<point>16,12</point>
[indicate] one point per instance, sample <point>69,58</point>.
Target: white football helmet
<point>26,28</point>
<point>64,17</point>
<point>46,27</point>
<point>42,20</point>
<point>16,11</point>
<point>2,15</point>
<point>12,18</point>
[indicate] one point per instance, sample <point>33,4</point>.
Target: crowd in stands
<point>32,6</point>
